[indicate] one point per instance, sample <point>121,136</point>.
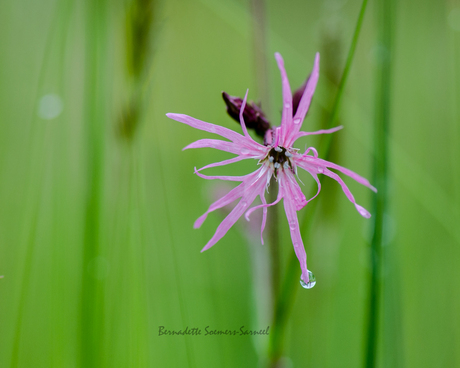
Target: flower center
<point>280,158</point>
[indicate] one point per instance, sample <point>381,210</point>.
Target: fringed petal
<point>248,190</point>
<point>286,119</point>
<point>362,211</point>
<point>304,102</point>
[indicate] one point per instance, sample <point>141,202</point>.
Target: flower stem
<point>261,68</point>
<point>290,285</point>
<point>382,119</point>
<point>274,246</point>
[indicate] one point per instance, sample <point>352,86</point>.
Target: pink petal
<point>292,189</point>
<point>304,102</point>
<point>286,119</point>
<point>346,171</point>
<point>231,178</point>
<point>211,128</point>
<point>230,220</point>
<point>223,163</point>
<point>264,205</point>
<point>223,146</point>
<point>243,124</point>
<point>249,190</point>
<point>291,214</point>
<point>322,131</point>
<point>231,196</point>
<point>313,149</point>
<point>317,182</point>
<point>264,217</point>
<point>362,211</point>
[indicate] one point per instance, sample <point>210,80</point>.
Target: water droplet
<point>245,152</point>
<point>50,106</point>
<point>320,170</point>
<point>292,225</point>
<point>297,121</point>
<point>311,282</point>
<point>244,203</point>
<point>287,106</point>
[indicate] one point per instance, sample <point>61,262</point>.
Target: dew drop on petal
<point>292,225</point>
<point>287,106</point>
<point>309,284</point>
<point>297,121</point>
<point>245,152</point>
<point>320,170</point>
<point>50,106</point>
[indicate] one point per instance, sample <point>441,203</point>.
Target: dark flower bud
<point>297,96</point>
<point>253,116</point>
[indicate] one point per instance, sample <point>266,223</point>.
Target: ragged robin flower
<point>276,157</point>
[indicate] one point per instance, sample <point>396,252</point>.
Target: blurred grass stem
<point>261,72</point>
<point>382,122</point>
<point>37,139</point>
<point>91,325</point>
<point>291,284</point>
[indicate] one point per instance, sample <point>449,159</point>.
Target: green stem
<point>91,318</point>
<point>290,285</point>
<point>274,244</point>
<point>382,120</point>
<point>346,70</point>
<point>261,68</point>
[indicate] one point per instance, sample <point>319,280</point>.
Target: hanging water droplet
<point>292,225</point>
<point>310,283</point>
<point>286,105</point>
<point>245,152</point>
<point>320,170</point>
<point>297,121</point>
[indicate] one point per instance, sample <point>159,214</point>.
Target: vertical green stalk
<point>91,323</point>
<point>37,140</point>
<point>290,285</point>
<point>140,20</point>
<point>261,71</point>
<point>382,122</point>
<point>260,54</point>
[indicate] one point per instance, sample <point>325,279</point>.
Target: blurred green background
<point>97,200</point>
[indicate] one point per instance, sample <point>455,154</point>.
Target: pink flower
<point>276,158</point>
